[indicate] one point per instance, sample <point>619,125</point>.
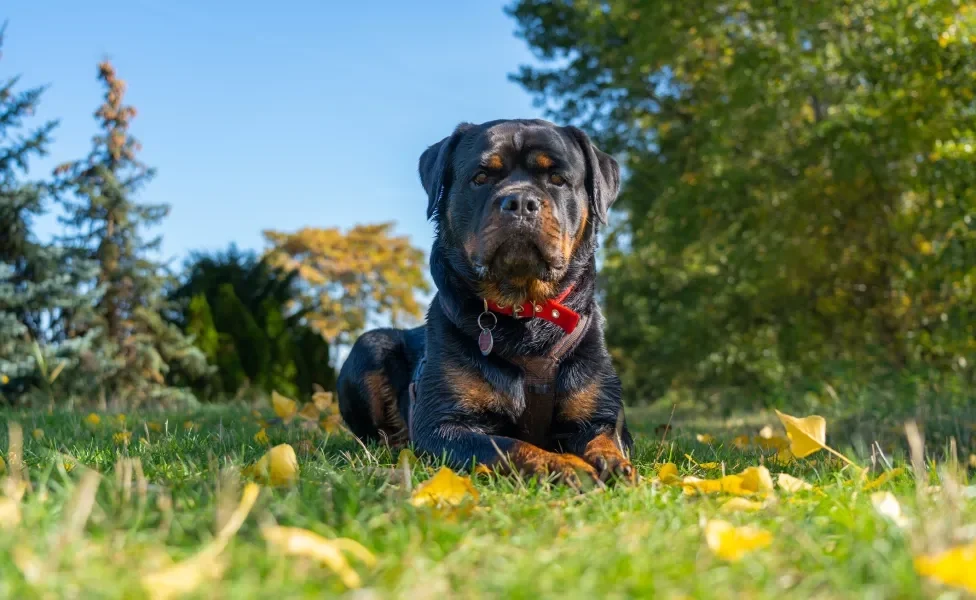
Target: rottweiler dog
<point>511,370</point>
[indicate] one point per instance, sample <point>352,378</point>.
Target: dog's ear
<point>435,169</point>
<point>602,175</point>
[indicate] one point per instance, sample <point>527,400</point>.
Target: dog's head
<point>519,201</point>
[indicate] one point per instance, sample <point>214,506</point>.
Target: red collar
<point>550,310</point>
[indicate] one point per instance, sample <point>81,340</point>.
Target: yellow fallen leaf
<point>284,407</point>
<point>766,432</point>
<point>774,442</point>
<point>120,418</point>
<point>705,438</point>
<point>783,458</point>
<point>261,437</point>
<point>122,438</point>
<point>184,577</point>
<point>668,474</point>
<point>955,567</point>
<point>808,435</point>
<point>757,480</point>
<point>731,543</point>
<point>887,505</point>
<point>791,484</point>
<point>741,442</point>
<point>730,484</point>
<point>93,420</point>
<point>753,480</point>
<point>301,542</point>
<point>154,426</point>
<point>38,434</point>
<point>279,466</point>
<point>331,423</point>
<point>9,513</point>
<point>309,412</point>
<point>733,505</point>
<point>884,478</point>
<point>709,465</point>
<point>323,401</point>
<point>445,488</point>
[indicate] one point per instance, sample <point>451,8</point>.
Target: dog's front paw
<point>572,471</point>
<point>612,465</point>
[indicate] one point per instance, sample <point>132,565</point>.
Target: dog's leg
<point>461,445</point>
<point>591,417</point>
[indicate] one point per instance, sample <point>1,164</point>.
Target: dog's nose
<point>520,206</point>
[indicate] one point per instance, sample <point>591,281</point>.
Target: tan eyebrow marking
<point>543,160</point>
<point>494,162</point>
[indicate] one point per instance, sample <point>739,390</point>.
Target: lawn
<point>168,483</point>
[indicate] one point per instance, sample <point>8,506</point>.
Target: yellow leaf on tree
<point>731,543</point>
<point>668,474</point>
<point>445,488</point>
<point>808,435</point>
<point>883,478</point>
<point>740,505</point>
<point>330,552</point>
<point>955,567</point>
<point>791,484</point>
<point>279,466</point>
<point>284,407</point>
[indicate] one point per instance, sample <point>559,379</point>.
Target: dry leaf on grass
<point>668,474</point>
<point>882,479</point>
<point>284,407</point>
<point>279,466</point>
<point>444,489</point>
<point>955,567</point>
<point>753,480</point>
<point>331,552</point>
<point>731,543</point>
<point>791,484</point>
<point>887,506</point>
<point>309,412</point>
<point>734,505</point>
<point>184,577</point>
<point>808,435</point>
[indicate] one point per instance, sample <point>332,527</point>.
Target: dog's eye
<point>480,179</point>
<point>557,179</point>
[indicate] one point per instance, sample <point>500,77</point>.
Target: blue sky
<point>310,114</point>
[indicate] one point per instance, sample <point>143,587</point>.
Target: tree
<point>38,282</point>
<point>136,347</point>
<point>800,195</point>
<point>349,280</point>
<point>245,316</point>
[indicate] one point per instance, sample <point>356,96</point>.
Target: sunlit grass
<point>168,483</point>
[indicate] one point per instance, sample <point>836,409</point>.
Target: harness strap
<point>538,385</point>
<point>539,388</point>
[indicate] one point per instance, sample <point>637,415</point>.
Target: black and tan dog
<point>511,369</point>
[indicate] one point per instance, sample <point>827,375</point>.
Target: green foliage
<point>133,347</point>
<point>800,199</point>
<point>38,282</point>
<point>243,315</point>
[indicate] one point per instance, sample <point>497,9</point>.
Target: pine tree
<point>135,346</point>
<point>39,283</point>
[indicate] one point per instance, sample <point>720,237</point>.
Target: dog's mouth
<point>518,267</point>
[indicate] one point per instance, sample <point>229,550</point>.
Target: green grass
<point>526,539</point>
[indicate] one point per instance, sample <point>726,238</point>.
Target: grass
<point>524,540</point>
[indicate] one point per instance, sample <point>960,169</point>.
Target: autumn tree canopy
<point>350,279</point>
